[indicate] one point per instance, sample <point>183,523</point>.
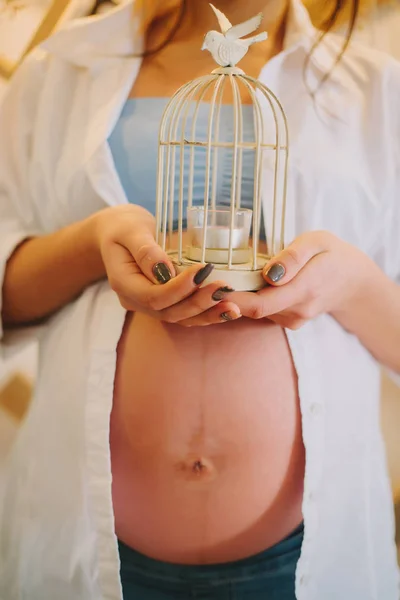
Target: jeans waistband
<point>266,562</point>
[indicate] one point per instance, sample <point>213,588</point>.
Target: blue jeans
<point>269,575</point>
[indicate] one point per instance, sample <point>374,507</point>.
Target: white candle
<point>217,237</point>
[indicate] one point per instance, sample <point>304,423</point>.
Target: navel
<point>196,468</point>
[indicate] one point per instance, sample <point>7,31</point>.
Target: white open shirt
<point>57,539</point>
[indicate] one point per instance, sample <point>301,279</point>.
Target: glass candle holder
<point>224,237</point>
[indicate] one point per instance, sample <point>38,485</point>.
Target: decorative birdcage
<point>201,215</point>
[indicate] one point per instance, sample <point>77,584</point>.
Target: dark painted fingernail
<point>162,273</point>
<point>229,316</point>
<point>276,272</point>
<point>221,293</point>
<point>203,274</point>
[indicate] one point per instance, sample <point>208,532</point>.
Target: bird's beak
<point>204,46</point>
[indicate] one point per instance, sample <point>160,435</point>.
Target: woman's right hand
<point>144,278</point>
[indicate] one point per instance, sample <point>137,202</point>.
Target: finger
<point>285,266</point>
<point>199,302</point>
<point>177,289</point>
<point>288,320</point>
<point>151,259</point>
<point>130,283</point>
<point>222,313</point>
<point>269,301</point>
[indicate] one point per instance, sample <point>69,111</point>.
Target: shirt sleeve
<point>17,214</point>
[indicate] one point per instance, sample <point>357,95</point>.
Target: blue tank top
<point>134,146</point>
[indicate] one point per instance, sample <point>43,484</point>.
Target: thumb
<point>287,264</point>
<point>151,259</point>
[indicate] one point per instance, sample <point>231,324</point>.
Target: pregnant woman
<point>186,440</point>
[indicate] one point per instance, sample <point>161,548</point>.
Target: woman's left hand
<point>318,273</point>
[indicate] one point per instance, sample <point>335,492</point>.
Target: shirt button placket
<point>315,409</point>
<point>303,580</point>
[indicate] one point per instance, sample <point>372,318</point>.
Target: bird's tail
<point>256,38</point>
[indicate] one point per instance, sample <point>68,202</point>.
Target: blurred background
<point>23,24</point>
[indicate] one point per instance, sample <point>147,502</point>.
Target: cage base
<point>242,278</point>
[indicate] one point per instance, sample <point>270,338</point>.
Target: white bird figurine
<point>228,48</point>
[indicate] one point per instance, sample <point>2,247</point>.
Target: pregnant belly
<point>206,445</point>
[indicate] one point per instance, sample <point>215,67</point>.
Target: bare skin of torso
<point>206,440</point>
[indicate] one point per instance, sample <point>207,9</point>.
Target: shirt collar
<point>115,35</point>
<point>301,34</point>
<point>87,41</point>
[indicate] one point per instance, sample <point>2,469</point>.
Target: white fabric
<point>57,539</point>
<point>383,29</point>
